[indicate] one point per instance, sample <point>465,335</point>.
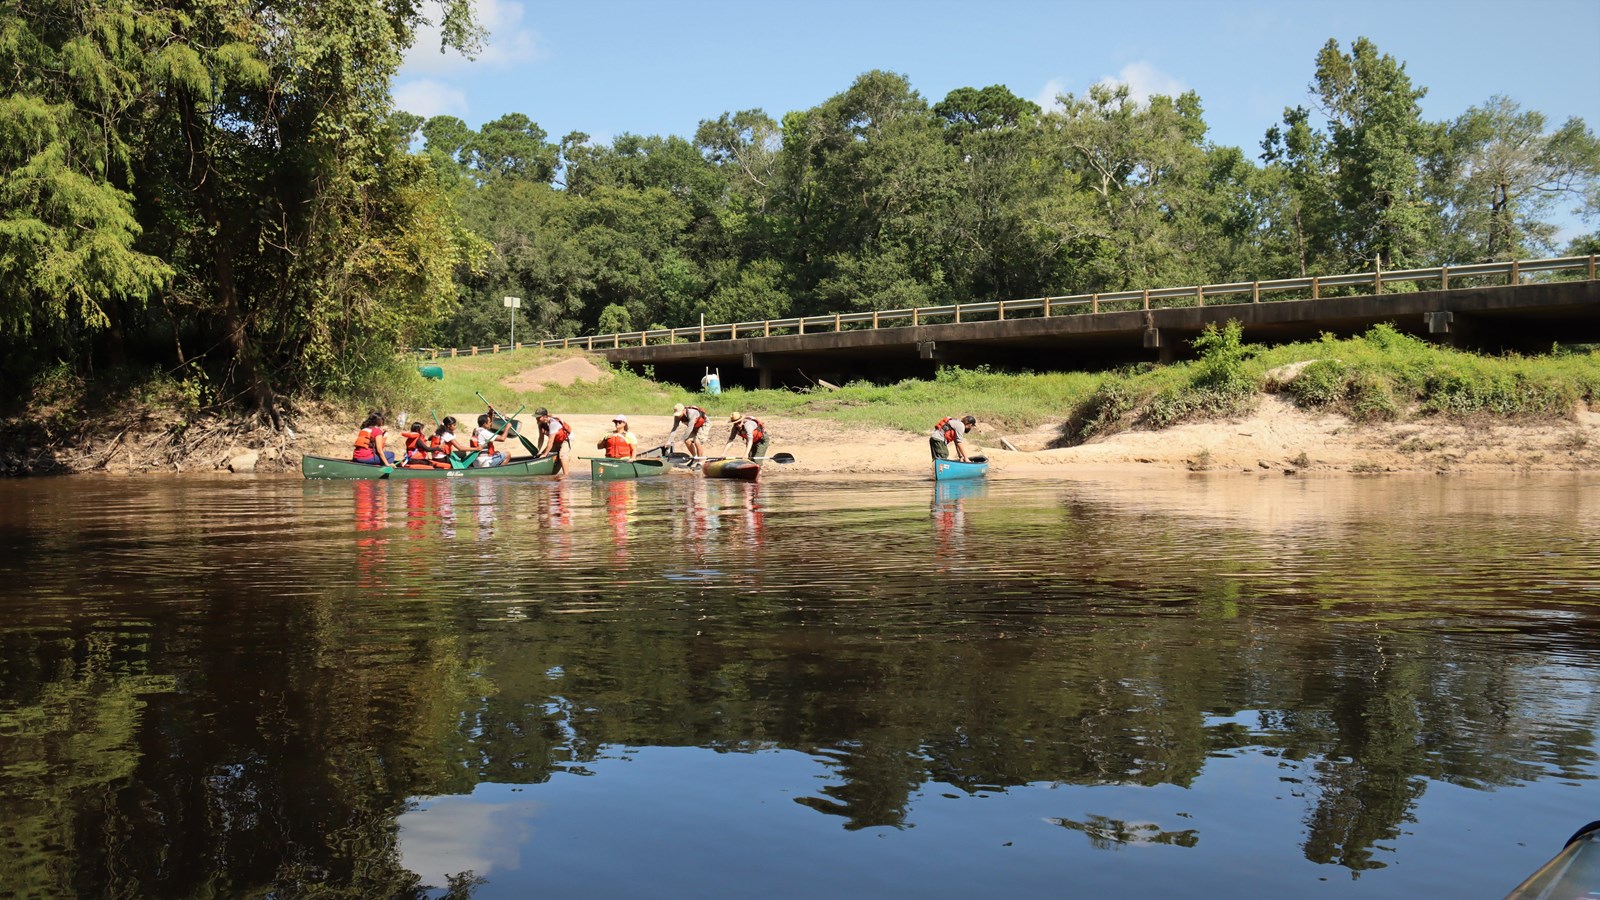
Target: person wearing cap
<point>749,430</point>
<point>691,419</point>
<point>950,432</point>
<point>620,443</point>
<point>553,435</point>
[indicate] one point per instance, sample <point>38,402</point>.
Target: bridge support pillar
<point>763,371</point>
<point>1165,351</point>
<point>1449,328</point>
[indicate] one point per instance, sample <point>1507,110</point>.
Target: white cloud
<point>1046,98</point>
<point>447,835</point>
<point>428,98</point>
<point>508,41</point>
<point>1143,80</point>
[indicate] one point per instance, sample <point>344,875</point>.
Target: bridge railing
<point>1313,287</point>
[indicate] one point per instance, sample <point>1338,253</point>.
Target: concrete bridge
<point>1522,317</point>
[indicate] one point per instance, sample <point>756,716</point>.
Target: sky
<point>609,67</point>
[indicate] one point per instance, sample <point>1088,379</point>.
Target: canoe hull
<point>956,470</point>
<point>736,469</point>
<point>625,469</point>
<point>330,467</point>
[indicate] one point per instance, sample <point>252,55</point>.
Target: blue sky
<point>606,68</point>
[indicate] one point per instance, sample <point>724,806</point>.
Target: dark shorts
<point>759,448</point>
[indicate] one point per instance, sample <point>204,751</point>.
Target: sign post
<point>513,304</point>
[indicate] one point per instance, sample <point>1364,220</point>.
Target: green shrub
<point>1321,384</point>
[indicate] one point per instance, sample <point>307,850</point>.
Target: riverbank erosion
<point>1273,436</point>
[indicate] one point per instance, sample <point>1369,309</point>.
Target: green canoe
<point>328,467</point>
<point>622,469</point>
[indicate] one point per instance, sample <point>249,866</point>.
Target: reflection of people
<point>620,443</point>
<point>369,443</point>
<point>691,419</point>
<point>750,431</point>
<point>951,432</point>
<point>483,437</point>
<point>553,435</point>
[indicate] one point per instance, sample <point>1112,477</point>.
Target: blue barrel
<point>711,384</point>
<point>432,373</point>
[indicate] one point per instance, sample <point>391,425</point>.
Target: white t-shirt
<point>485,439</point>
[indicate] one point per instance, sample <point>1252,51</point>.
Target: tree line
<point>223,195</point>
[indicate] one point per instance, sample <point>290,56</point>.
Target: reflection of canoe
<point>328,467</point>
<point>622,469</point>
<point>950,491</point>
<point>1574,872</point>
<point>740,469</point>
<point>953,469</point>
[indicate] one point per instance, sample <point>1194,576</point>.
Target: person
<point>369,443</point>
<point>749,430</point>
<point>620,443</point>
<point>417,455</point>
<point>449,443</point>
<point>484,437</point>
<point>553,435</point>
<point>691,419</point>
<point>951,431</point>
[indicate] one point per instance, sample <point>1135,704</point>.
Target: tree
<point>1499,174</point>
<point>1376,144</point>
<point>1126,209</point>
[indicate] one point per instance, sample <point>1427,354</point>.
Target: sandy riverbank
<point>1277,437</point>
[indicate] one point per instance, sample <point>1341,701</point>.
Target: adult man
<point>749,430</point>
<point>951,431</point>
<point>691,419</point>
<point>620,443</point>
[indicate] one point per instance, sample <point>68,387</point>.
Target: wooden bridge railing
<point>1150,298</point>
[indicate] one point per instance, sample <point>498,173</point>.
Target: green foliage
<point>614,319</point>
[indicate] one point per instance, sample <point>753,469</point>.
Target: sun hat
<point>677,410</point>
<point>736,418</point>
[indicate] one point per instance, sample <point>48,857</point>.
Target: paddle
<point>683,459</point>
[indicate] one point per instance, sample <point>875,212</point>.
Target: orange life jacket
<point>694,417</point>
<point>367,438</point>
<point>945,426</point>
<point>617,447</point>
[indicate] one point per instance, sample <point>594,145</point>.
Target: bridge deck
<point>1511,317</point>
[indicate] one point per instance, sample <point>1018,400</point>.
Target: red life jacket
<point>617,447</point>
<point>694,416</point>
<point>416,444</point>
<point>751,427</point>
<point>949,432</point>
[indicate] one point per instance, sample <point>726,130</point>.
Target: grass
<point>1382,375</point>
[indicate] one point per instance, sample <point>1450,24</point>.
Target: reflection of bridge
<point>1488,306</point>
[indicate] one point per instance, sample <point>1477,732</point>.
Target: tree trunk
<point>203,184</point>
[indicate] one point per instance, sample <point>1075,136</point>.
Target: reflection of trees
<point>302,721</point>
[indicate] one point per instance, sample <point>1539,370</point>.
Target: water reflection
<point>269,675</point>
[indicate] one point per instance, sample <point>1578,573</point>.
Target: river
<point>1117,685</point>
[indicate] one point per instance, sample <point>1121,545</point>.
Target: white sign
<point>513,302</point>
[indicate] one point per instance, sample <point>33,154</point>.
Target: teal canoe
<point>955,469</point>
<point>738,469</point>
<point>329,467</point>
<point>624,469</point>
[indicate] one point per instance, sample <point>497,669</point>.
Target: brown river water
<point>1098,686</point>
